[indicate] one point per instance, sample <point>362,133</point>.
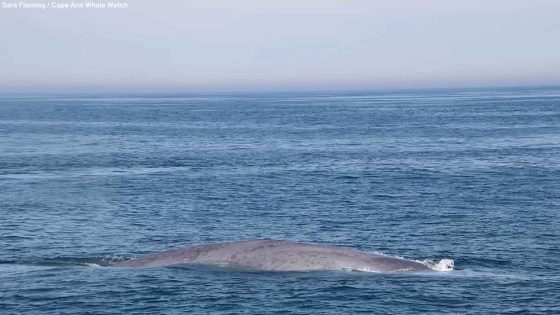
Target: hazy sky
<point>283,44</point>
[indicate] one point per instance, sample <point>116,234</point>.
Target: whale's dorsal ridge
<point>278,255</point>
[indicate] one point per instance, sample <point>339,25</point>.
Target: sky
<point>205,45</point>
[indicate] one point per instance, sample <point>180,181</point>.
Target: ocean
<point>471,175</point>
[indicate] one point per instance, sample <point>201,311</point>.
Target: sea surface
<point>470,175</point>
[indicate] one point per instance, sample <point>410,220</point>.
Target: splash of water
<point>442,265</point>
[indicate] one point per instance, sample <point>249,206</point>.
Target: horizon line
<point>357,89</point>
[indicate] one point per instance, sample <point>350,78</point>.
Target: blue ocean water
<point>471,175</point>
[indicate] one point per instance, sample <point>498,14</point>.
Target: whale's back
<point>273,255</point>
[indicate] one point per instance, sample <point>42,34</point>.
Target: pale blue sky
<point>286,44</point>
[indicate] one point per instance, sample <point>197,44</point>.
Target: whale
<point>278,255</point>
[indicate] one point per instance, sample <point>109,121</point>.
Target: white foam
<point>364,269</point>
<point>442,265</point>
<point>92,265</point>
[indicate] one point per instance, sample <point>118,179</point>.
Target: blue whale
<point>274,255</point>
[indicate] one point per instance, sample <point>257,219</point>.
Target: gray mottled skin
<point>272,255</point>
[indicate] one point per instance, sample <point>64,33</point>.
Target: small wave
<point>103,261</point>
<point>68,261</point>
<point>442,265</point>
<point>365,269</point>
<point>92,265</point>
